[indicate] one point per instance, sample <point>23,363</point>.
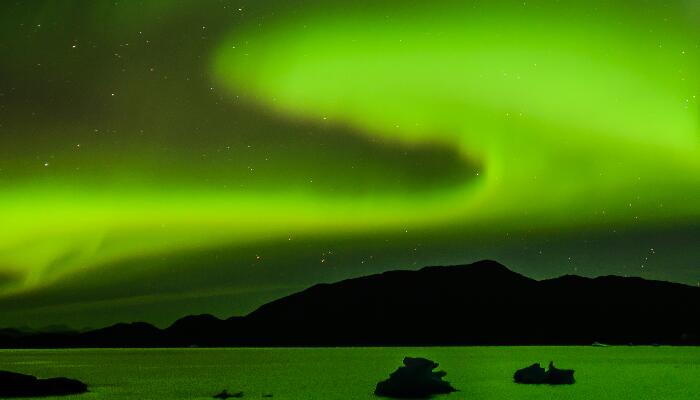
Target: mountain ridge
<point>483,303</point>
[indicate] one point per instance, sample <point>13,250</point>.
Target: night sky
<point>163,158</point>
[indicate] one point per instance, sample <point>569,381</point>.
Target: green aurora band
<point>561,117</point>
<point>565,118</point>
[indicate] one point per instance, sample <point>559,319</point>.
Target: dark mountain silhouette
<point>483,303</point>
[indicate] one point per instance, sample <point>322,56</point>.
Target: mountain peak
<point>484,271</point>
<point>483,265</point>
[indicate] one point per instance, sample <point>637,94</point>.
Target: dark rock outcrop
<point>532,374</point>
<point>13,384</point>
<point>558,376</point>
<point>535,374</point>
<point>415,379</point>
<point>226,395</point>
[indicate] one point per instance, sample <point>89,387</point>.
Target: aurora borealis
<point>160,158</point>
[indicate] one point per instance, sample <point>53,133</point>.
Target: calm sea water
<point>351,373</point>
